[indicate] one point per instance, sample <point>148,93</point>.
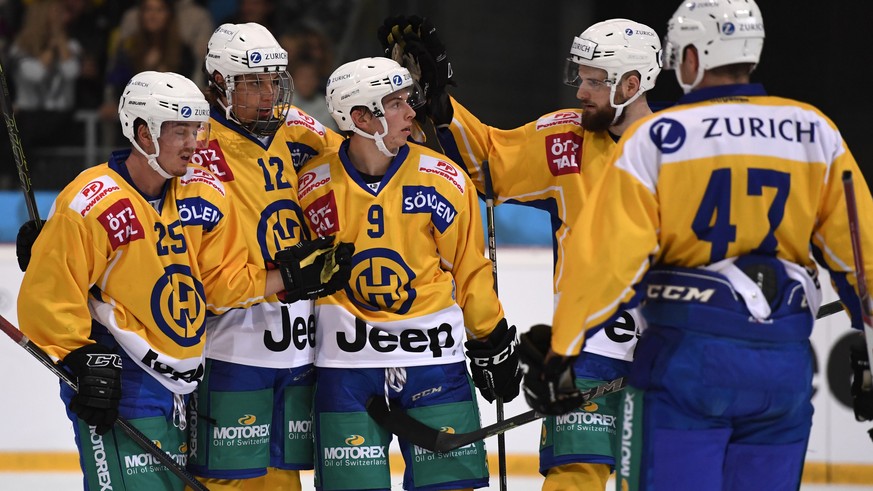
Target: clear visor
<point>412,95</point>
<point>571,73</point>
<point>261,101</point>
<point>573,79</point>
<point>182,134</point>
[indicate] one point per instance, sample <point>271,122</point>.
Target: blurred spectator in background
<point>44,60</point>
<point>195,26</point>
<point>10,20</point>
<point>219,9</point>
<point>331,16</point>
<point>258,11</point>
<point>306,41</point>
<point>89,24</point>
<point>155,45</point>
<point>309,92</point>
<point>44,65</point>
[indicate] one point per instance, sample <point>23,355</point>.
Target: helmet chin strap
<point>152,159</point>
<point>619,108</point>
<point>686,87</point>
<point>228,109</point>
<point>228,112</point>
<point>378,137</point>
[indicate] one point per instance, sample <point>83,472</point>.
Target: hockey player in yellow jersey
<point>259,360</point>
<point>552,164</point>
<point>715,213</point>
<point>419,285</point>
<point>149,248</point>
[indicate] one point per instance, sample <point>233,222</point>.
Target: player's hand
<point>98,376</point>
<point>862,382</point>
<point>24,241</point>
<point>314,268</point>
<point>549,384</point>
<point>414,43</point>
<point>494,363</point>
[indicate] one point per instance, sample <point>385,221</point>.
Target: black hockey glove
<point>98,375</point>
<point>549,384</point>
<point>494,363</point>
<point>24,241</point>
<point>862,382</point>
<point>414,43</point>
<point>314,268</point>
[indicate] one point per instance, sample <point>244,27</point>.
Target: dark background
<point>508,56</point>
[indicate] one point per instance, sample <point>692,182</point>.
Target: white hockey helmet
<point>618,46</point>
<point>236,50</point>
<point>364,83</point>
<point>723,31</point>
<point>156,98</point>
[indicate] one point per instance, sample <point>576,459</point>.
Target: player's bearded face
<point>594,93</point>
<point>597,118</point>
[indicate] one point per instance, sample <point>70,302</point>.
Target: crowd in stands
<point>66,61</point>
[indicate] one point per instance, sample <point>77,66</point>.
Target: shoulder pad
<point>92,193</point>
<point>313,179</point>
<point>199,175</point>
<point>298,118</point>
<point>441,166</point>
<point>567,116</point>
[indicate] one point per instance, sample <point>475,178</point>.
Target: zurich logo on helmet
<point>728,28</point>
<point>668,135</point>
<point>185,112</point>
<point>397,80</point>
<point>255,57</point>
<point>629,31</point>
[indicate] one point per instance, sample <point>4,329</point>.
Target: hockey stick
<point>18,151</point>
<point>860,276</point>
<point>137,436</point>
<point>489,219</point>
<point>404,426</point>
<point>829,309</point>
<point>492,255</point>
<point>410,429</point>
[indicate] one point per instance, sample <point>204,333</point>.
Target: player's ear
<point>218,79</point>
<point>143,135</point>
<point>361,116</point>
<point>631,84</point>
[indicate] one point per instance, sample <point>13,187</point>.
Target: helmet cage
<point>237,50</point>
<point>260,125</point>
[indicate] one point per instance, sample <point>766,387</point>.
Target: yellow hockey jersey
<point>419,275</point>
<point>728,172</point>
<point>261,177</point>
<point>149,265</point>
<point>550,164</point>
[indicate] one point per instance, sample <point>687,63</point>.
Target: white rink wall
<point>32,417</point>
